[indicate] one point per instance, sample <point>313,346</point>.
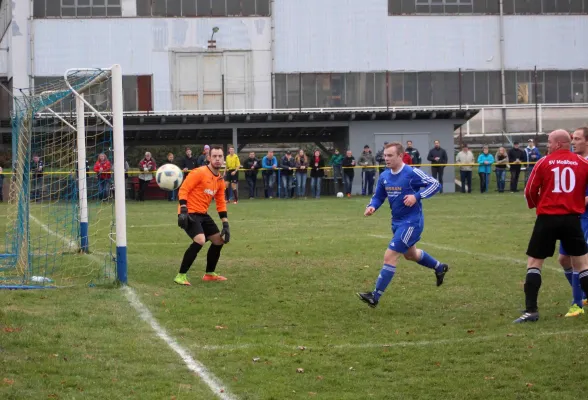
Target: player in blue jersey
<point>580,142</point>
<point>404,187</point>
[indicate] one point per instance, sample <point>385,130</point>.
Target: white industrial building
<point>309,54</point>
<point>306,53</point>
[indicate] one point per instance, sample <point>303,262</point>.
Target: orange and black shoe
<point>213,276</point>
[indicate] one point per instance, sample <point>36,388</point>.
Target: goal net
<point>62,226</point>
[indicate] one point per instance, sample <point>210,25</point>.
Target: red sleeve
<point>108,166</point>
<point>407,159</point>
<point>97,166</point>
<point>534,185</point>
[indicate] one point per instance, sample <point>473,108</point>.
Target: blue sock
<point>568,273</point>
<point>577,289</point>
<point>428,261</point>
<point>384,279</point>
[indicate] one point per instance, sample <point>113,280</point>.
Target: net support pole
<point>81,175</point>
<point>119,174</point>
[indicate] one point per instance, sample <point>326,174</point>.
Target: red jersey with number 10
<point>557,185</point>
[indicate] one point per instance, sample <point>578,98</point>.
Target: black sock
<point>212,257</point>
<point>532,285</point>
<point>584,280</point>
<point>189,257</point>
<point>235,195</point>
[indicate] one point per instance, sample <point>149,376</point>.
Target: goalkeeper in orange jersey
<point>196,193</point>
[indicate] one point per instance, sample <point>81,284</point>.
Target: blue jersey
<point>395,186</point>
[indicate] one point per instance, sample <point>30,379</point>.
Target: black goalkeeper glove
<point>226,233</point>
<point>183,217</point>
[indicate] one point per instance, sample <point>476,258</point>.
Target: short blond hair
<point>397,145</point>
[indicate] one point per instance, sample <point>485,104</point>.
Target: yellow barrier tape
<point>268,169</point>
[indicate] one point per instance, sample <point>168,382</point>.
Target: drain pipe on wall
<point>273,52</point>
<point>502,80</point>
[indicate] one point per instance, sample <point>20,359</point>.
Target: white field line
<point>193,365</point>
<point>472,253</point>
<point>72,244</point>
<point>214,384</point>
<point>415,343</point>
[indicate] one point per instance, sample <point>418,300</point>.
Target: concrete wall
<point>359,36</point>
<point>146,46</point>
<point>422,133</point>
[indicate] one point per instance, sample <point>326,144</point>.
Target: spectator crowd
<point>288,176</point>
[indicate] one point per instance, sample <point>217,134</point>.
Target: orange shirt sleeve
<point>219,197</point>
<point>188,186</point>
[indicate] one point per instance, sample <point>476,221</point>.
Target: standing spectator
<point>466,157</point>
<point>413,153</point>
<point>147,166</point>
<point>485,161</point>
<point>269,164</point>
<point>203,158</point>
<point>380,159</point>
<point>37,169</point>
<point>336,162</point>
<point>301,162</point>
<point>501,164</point>
<point>406,159</point>
<point>233,165</point>
<point>438,157</point>
<point>348,172</point>
<point>103,168</point>
<point>1,185</point>
<point>516,156</point>
<point>188,163</point>
<point>287,171</point>
<point>172,195</point>
<point>252,165</point>
<point>366,160</point>
<point>533,156</point>
<point>317,172</point>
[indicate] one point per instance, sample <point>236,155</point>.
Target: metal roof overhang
<point>252,127</point>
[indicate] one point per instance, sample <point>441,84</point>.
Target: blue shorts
<point>584,222</point>
<point>406,235</point>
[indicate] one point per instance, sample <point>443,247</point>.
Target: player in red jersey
<point>556,188</point>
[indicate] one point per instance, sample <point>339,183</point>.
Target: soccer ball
<point>169,177</point>
<point>340,194</point>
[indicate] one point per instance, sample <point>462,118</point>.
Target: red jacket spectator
<point>407,159</point>
<point>103,167</point>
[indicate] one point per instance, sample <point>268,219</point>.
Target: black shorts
<point>201,223</point>
<point>232,178</point>
<point>549,228</point>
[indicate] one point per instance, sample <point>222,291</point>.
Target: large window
<point>381,89</point>
<point>76,8</point>
<point>5,16</point>
<point>510,7</point>
<point>202,8</point>
<point>137,94</point>
<point>5,99</point>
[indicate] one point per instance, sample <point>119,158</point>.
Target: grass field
<point>294,267</point>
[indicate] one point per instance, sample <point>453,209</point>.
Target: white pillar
<point>82,182</point>
<point>119,174</point>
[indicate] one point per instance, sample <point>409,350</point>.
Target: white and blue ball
<point>169,177</point>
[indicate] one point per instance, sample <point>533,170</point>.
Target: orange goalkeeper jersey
<point>200,187</point>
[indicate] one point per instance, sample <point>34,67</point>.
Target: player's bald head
<point>559,139</point>
<point>560,136</point>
